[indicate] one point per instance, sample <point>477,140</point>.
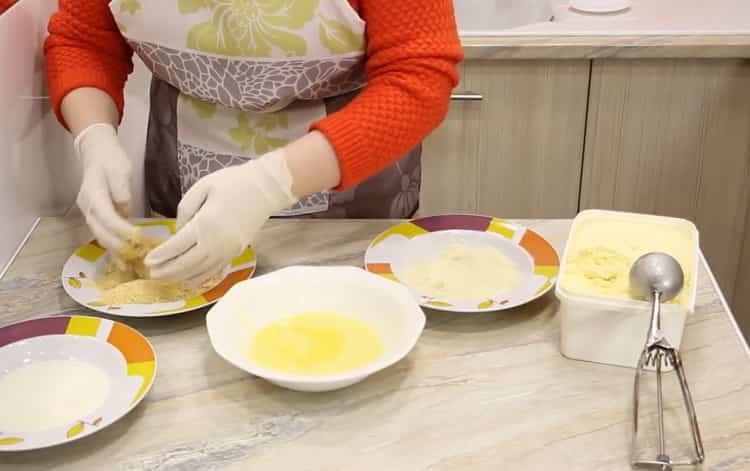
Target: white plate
<point>110,349</point>
<point>423,239</point>
<point>89,262</point>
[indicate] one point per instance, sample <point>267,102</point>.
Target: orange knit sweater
<point>5,4</point>
<point>412,52</point>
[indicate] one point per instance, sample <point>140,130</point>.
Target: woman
<point>258,108</point>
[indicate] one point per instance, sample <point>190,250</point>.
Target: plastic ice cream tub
<point>600,319</point>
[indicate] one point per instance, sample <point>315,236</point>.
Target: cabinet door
<point>518,152</point>
<point>450,157</point>
<point>672,137</point>
<point>740,302</point>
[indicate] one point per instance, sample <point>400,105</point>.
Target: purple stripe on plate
<point>466,222</point>
<point>33,328</point>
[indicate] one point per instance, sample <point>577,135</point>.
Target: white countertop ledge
<point>645,17</point>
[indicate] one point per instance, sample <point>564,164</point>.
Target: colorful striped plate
<point>43,394</point>
<point>89,262</point>
<point>422,239</point>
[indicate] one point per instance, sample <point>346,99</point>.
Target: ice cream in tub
<point>600,319</point>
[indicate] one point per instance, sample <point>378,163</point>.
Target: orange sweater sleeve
<point>6,4</point>
<point>85,49</point>
<point>412,52</point>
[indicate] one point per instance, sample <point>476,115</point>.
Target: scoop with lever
<point>657,277</point>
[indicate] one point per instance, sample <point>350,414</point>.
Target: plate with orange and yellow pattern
<point>66,377</point>
<point>532,259</point>
<point>89,263</point>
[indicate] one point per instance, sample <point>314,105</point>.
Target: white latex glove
<point>220,216</point>
<point>105,189</point>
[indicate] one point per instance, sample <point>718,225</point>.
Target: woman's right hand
<point>104,197</point>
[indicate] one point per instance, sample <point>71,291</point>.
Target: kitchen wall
<point>38,172</point>
<point>37,175</point>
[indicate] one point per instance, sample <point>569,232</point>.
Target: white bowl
<point>250,305</point>
<point>613,330</point>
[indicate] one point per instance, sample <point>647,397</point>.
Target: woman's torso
<point>235,79</point>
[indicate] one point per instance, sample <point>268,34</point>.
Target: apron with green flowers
<point>234,79</point>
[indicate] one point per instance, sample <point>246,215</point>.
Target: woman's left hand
<point>220,216</point>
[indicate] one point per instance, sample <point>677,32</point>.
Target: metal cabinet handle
<point>467,96</point>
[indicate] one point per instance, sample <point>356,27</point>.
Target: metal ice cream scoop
<point>658,277</point>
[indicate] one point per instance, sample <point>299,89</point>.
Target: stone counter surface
<point>625,46</point>
<point>487,391</point>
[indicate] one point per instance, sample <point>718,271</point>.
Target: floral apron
<point>234,79</point>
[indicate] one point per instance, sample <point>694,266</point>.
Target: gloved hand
<point>104,196</point>
<point>220,216</point>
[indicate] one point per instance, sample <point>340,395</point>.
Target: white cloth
<point>104,197</point>
<point>220,216</point>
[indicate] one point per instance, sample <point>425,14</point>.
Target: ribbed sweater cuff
<point>344,135</point>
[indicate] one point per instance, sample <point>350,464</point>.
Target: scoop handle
<point>655,317</point>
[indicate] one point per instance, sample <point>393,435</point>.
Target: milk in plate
<point>45,395</point>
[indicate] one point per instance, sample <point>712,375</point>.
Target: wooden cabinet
<point>516,153</point>
<point>740,301</point>
<point>450,158</point>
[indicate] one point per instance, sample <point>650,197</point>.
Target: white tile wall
<point>38,172</point>
<point>36,175</point>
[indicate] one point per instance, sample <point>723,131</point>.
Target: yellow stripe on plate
<point>10,440</point>
<point>390,276</point>
<point>90,252</point>
<point>191,303</point>
<point>85,326</point>
<point>246,257</point>
<point>550,271</point>
<point>405,229</point>
<point>498,226</point>
<point>544,287</point>
<point>144,369</point>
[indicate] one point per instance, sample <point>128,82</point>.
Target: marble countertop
<point>479,392</point>
<point>650,28</point>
